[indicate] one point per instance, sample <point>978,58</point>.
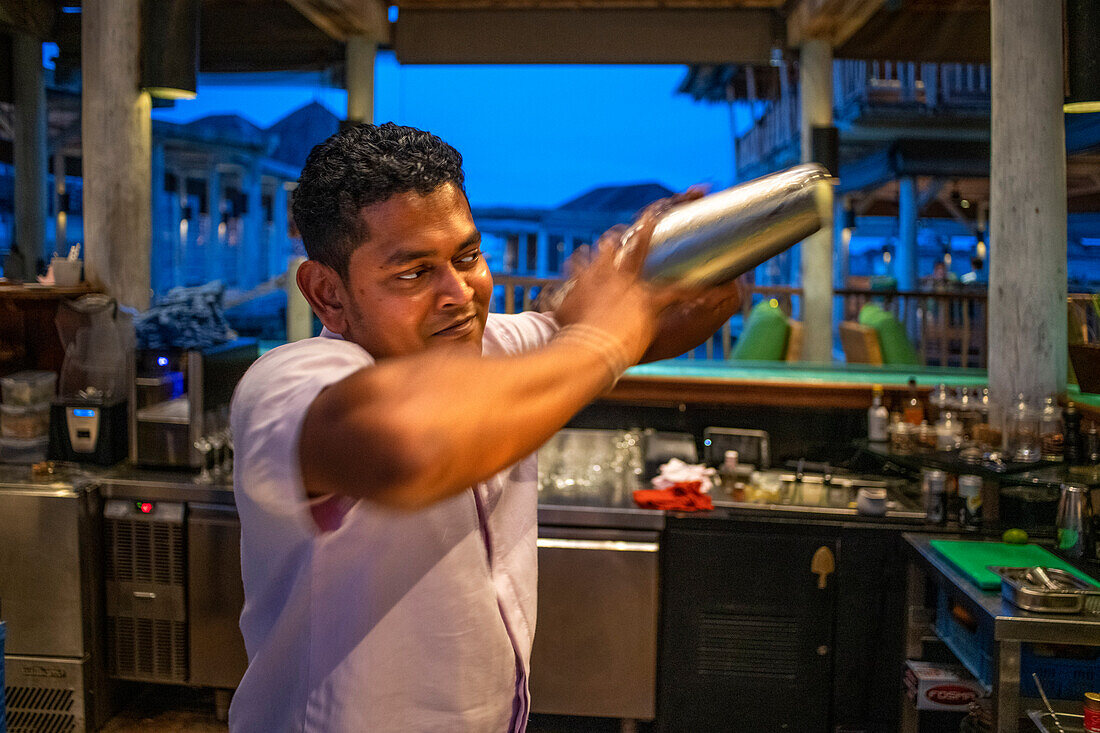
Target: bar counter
<point>782,384</point>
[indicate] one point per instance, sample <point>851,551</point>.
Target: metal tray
<point>1044,722</point>
<point>1073,596</point>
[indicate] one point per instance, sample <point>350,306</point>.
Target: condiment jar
<point>1092,712</point>
<point>1051,439</point>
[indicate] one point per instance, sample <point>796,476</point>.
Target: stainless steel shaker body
<point>720,236</point>
<point>1074,523</point>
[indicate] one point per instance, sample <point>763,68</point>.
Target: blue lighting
<point>706,442</point>
<point>71,9</point>
<point>83,413</point>
<point>162,361</point>
<point>391,13</point>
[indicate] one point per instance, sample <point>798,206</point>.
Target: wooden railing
<point>947,328</point>
<point>889,82</point>
<point>775,129</point>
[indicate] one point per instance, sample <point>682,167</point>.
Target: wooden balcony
<point>871,101</point>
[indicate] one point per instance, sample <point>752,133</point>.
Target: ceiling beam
<point>585,36</point>
<point>834,21</point>
<point>342,19</point>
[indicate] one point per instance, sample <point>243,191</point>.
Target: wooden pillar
<point>279,251</point>
<point>116,130</point>
<point>542,249</point>
<point>60,187</point>
<point>162,266</point>
<point>359,71</point>
<point>299,316</point>
<point>209,229</point>
<point>29,152</point>
<point>522,265</point>
<point>816,100</point>
<point>1027,275</point>
<point>252,249</point>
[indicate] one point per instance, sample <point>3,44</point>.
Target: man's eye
<point>411,275</point>
<point>469,257</point>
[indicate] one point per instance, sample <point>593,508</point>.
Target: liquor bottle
<point>913,413</point>
<point>878,417</point>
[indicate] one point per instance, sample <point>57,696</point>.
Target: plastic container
<point>29,387</point>
<point>19,450</point>
<point>25,422</point>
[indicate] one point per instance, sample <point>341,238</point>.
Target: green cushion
<point>896,347</point>
<point>764,337</point>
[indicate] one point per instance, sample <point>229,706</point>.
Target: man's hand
<point>606,290</point>
<point>684,327</point>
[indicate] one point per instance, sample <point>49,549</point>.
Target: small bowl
<point>871,502</point>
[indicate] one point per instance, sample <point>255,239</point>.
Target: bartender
<point>385,475</point>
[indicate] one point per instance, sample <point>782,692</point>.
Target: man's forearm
<point>415,430</point>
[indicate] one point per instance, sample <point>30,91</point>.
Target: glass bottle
<point>878,417</point>
<point>1050,432</point>
<point>967,413</point>
<point>948,432</point>
<point>938,403</point>
<point>913,413</point>
<point>1023,435</point>
<point>1071,434</point>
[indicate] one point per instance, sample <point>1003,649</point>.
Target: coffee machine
<point>181,398</point>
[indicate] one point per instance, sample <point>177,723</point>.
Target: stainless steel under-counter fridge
<point>51,599</point>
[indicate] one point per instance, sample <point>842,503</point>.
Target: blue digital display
<point>83,413</point>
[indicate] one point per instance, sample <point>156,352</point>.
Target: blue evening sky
<point>529,135</point>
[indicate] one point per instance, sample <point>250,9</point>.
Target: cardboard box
<point>936,686</point>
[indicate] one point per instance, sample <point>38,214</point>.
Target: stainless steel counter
<point>1012,626</point>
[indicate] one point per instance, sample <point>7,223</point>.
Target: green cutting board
<point>974,558</point>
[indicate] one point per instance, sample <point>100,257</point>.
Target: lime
<point>1015,536</point>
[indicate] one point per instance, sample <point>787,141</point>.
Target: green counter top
<point>807,373</point>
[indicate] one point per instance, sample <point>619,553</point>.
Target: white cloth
<point>385,621</point>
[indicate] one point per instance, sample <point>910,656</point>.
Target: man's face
<point>419,280</point>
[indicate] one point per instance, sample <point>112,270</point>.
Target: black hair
<point>359,166</point>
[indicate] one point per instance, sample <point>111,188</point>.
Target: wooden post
<point>359,71</point>
<point>1027,274</point>
<point>299,316</point>
<point>116,129</point>
<point>816,94</point>
<point>61,226</point>
<point>29,152</point>
<point>906,257</point>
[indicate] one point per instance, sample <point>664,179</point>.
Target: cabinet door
<point>747,630</point>
<point>216,596</point>
<point>595,650</point>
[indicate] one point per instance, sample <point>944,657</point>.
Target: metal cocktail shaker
<point>1074,523</point>
<point>720,236</point>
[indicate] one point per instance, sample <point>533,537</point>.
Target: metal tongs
<point>1038,576</point>
<point>1043,694</point>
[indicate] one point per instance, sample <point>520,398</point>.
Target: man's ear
<point>324,289</point>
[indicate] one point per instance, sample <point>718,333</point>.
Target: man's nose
<point>453,287</point>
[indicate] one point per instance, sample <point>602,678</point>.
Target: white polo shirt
<point>382,620</point>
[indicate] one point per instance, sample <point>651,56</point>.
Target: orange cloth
<point>684,496</point>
